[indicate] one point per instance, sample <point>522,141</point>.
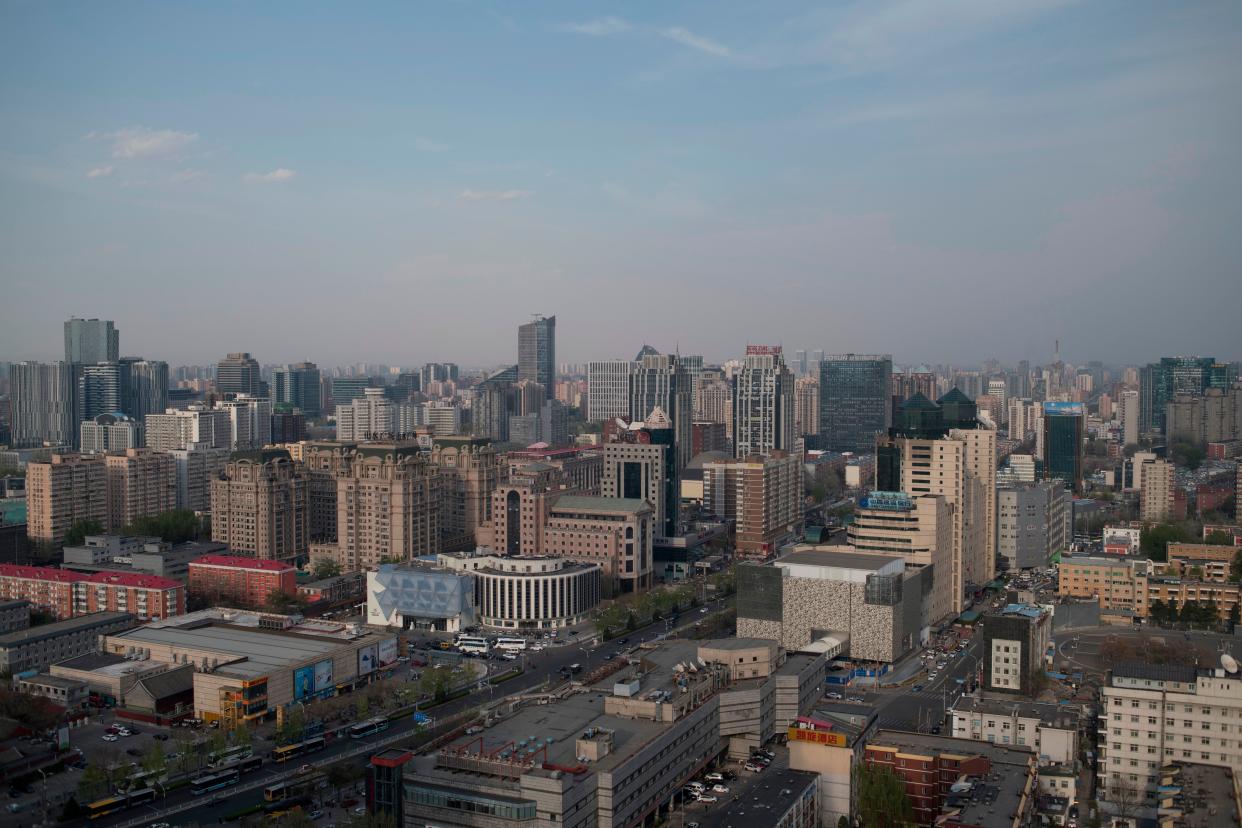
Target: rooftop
<point>766,802</point>
<point>69,625</point>
<point>48,680</point>
<point>1061,716</point>
<point>1155,672</point>
<point>130,579</point>
<point>599,504</point>
<point>241,562</point>
<point>738,643</point>
<point>1206,796</point>
<point>844,560</point>
<point>110,664</point>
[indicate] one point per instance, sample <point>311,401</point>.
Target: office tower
<point>388,507</point>
<point>910,383</point>
<point>103,388</point>
<point>1024,379</point>
<point>369,415</point>
<point>998,389</point>
<point>148,387</point>
<point>444,418</point>
<point>1128,415</point>
<point>438,372</point>
<point>1158,493</point>
<point>1019,418</point>
<point>799,365</point>
<point>708,436</point>
<point>550,424</point>
<point>537,352</point>
<point>298,385</point>
<point>1160,381</point>
<point>407,384</point>
<point>659,381</point>
<point>493,405</point>
<point>90,341</point>
<point>763,403</point>
<point>288,425</point>
<point>259,506</point>
<point>762,495</point>
<point>250,421</point>
<point>1064,426</point>
<point>1034,522</point>
<point>178,428</point>
<point>692,364</point>
<point>470,470</point>
<point>195,466</point>
<point>110,432</point>
<point>940,448</point>
<point>608,389</point>
<point>918,529</point>
<point>140,483</point>
<point>238,373</point>
<point>854,400</point>
<point>44,407</point>
<point>347,389</point>
<point>806,406</point>
<point>66,489</point>
<point>528,397</point>
<point>1212,417</point>
<point>641,464</point>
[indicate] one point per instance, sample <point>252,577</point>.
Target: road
<point>542,670</point>
<point>903,709</point>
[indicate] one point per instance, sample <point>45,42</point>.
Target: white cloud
<point>598,28</point>
<point>494,195</point>
<point>427,145</point>
<point>276,176</point>
<point>140,142</point>
<point>699,43</point>
<point>100,172</point>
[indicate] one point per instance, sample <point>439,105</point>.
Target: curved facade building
<point>529,593</point>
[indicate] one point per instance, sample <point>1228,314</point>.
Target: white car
<point>714,777</point>
<point>720,789</point>
<point>109,737</point>
<point>707,798</point>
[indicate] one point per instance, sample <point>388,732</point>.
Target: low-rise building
<point>1048,730</point>
<point>137,555</point>
<point>67,693</point>
<point>1015,646</point>
<point>614,532</point>
<point>350,586</point>
<point>14,616</point>
<point>420,595</point>
<point>109,677</point>
<point>1106,579</point>
<point>528,593</point>
<point>235,581</point>
<point>37,648</point>
<point>830,745</point>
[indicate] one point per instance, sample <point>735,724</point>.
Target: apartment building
<point>1158,499</point>
<point>196,425</point>
<point>1034,523</point>
<point>470,470</point>
<point>1015,643</point>
<point>1048,730</point>
<point>1152,715</point>
<point>140,483</point>
<point>259,505</point>
<point>39,647</point>
<point>234,581</point>
<point>762,495</point>
<point>1108,580</point>
<point>62,491</point>
<point>616,533</point>
<point>65,594</point>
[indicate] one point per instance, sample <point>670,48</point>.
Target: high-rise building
<point>1215,416</point>
<point>550,424</point>
<point>608,388</point>
<point>1128,416</point>
<point>179,428</point>
<point>1158,492</point>
<point>1019,418</point>
<point>640,464</point>
<point>493,405</point>
<point>443,418</point>
<point>148,387</point>
<point>762,495</point>
<point>470,470</point>
<point>918,529</point>
<point>195,467</point>
<point>806,406</point>
<point>238,373</point>
<point>44,407</point>
<point>345,390</point>
<point>259,506</point>
<point>103,388</point>
<point>1034,522</point>
<point>63,491</point>
<point>438,372</point>
<point>298,385</point>
<point>763,403</point>
<point>1160,381</point>
<point>388,507</point>
<point>141,483</point>
<point>537,352</point>
<point>110,432</point>
<point>91,340</point>
<point>659,381</point>
<point>1064,428</point>
<point>371,414</point>
<point>998,388</point>
<point>854,399</point>
<point>250,421</point>
<point>713,401</point>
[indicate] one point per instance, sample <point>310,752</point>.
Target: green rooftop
<point>600,504</point>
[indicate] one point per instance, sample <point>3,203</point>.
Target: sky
<point>946,181</point>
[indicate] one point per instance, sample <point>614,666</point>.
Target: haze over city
<point>401,183</point>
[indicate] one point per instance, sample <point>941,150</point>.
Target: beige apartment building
<point>1110,580</point>
<point>806,405</point>
<point>918,529</point>
<point>141,482</point>
<point>1211,561</point>
<point>1158,492</point>
<point>259,506</point>
<point>470,470</point>
<point>762,494</point>
<point>62,491</point>
<point>520,509</point>
<point>616,533</point>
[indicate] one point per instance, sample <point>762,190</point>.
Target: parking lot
<point>738,789</point>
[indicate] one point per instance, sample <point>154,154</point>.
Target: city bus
<point>472,644</point>
<point>103,807</point>
<point>511,645</point>
<point>139,779</point>
<point>368,728</point>
<point>214,781</point>
<point>278,791</point>
<point>220,758</point>
<point>287,752</point>
<point>278,809</point>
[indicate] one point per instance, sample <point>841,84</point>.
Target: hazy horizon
<point>392,183</point>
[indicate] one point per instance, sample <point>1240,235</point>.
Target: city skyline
<point>819,178</point>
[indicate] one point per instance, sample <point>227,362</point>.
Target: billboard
<point>387,653</point>
<point>303,682</point>
<point>366,660</point>
<point>323,675</point>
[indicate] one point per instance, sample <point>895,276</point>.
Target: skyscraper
<point>1160,381</point>
<point>298,385</point>
<point>44,406</point>
<point>854,401</point>
<point>148,387</point>
<point>238,373</point>
<point>91,341</point>
<point>659,381</point>
<point>1064,426</point>
<point>493,405</point>
<point>763,403</point>
<point>537,353</point>
<point>608,388</point>
<point>103,389</point>
<point>806,405</point>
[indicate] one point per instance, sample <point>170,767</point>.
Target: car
<point>163,737</point>
<point>714,777</point>
<point>133,730</point>
<point>720,789</point>
<point>109,737</point>
<point>359,811</point>
<point>14,793</point>
<point>917,688</point>
<point>707,799</point>
<point>315,814</point>
<point>305,769</point>
<point>509,656</point>
<point>753,767</point>
<point>856,699</point>
<point>704,611</point>
<point>112,729</point>
<point>134,752</point>
<point>692,825</point>
<point>729,775</point>
<point>835,695</point>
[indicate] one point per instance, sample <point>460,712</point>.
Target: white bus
<point>511,645</point>
<point>472,644</point>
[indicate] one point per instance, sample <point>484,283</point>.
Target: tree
<point>843,821</point>
<point>1235,616</point>
<point>76,535</point>
<point>882,799</point>
<point>1219,538</point>
<point>93,783</point>
<point>1126,798</point>
<point>325,568</point>
<point>1235,567</point>
<point>241,735</point>
<point>283,603</point>
<point>176,526</point>
<point>362,706</point>
<point>436,682</point>
<point>153,760</point>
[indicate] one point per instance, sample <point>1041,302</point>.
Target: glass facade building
<point>537,353</point>
<point>1063,434</point>
<point>854,401</point>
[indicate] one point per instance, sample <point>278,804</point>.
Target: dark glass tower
<point>854,401</point>
<point>537,353</point>
<point>1063,433</point>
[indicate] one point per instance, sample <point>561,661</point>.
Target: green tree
<point>325,568</point>
<point>1235,616</point>
<point>362,706</point>
<point>153,760</point>
<point>283,603</point>
<point>1235,566</point>
<point>843,821</point>
<point>93,783</point>
<point>241,735</point>
<point>436,682</point>
<point>176,526</point>
<point>296,818</point>
<point>1219,538</point>
<point>76,535</point>
<point>882,799</point>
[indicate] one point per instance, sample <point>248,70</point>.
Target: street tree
<point>882,799</point>
<point>93,783</point>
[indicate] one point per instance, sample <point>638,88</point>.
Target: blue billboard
<point>303,682</point>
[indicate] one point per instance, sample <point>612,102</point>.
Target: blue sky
<point>407,182</point>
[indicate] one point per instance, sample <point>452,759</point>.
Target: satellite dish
<point>1229,663</point>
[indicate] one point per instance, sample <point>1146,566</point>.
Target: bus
<point>139,779</point>
<point>287,752</point>
<point>368,728</point>
<point>214,781</point>
<point>220,758</point>
<point>277,809</point>
<point>103,807</point>
<point>472,644</point>
<point>511,645</point>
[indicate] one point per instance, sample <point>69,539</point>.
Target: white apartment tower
<point>763,403</point>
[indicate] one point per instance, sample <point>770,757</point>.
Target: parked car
<point>835,695</point>
<point>359,811</point>
<point>315,814</point>
<point>714,777</point>
<point>720,789</point>
<point>305,769</point>
<point>707,798</point>
<point>473,730</point>
<point>109,737</point>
